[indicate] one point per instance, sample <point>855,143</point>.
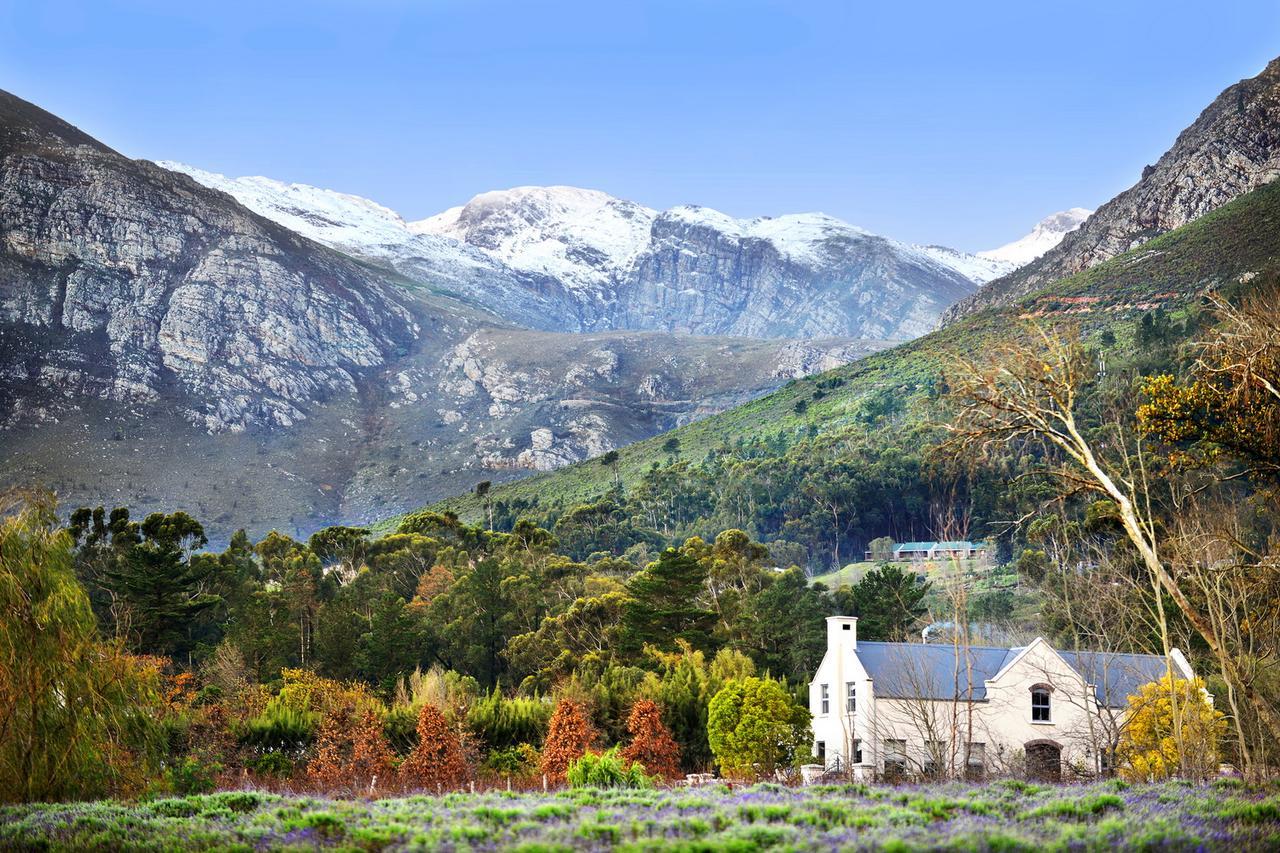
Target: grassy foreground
<point>997,816</point>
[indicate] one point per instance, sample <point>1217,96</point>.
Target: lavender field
<point>997,816</point>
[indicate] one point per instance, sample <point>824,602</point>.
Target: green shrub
<point>606,770</point>
<point>326,824</point>
<point>280,727</point>
<point>519,760</point>
<point>175,807</point>
<point>193,776</point>
<point>1262,811</point>
<point>401,729</point>
<point>271,764</point>
<point>505,723</point>
<point>1084,807</point>
<point>239,801</point>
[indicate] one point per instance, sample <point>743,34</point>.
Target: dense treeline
<point>284,659</point>
<point>504,608</point>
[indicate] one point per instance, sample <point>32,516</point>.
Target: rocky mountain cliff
<point>569,259</point>
<point>114,282</point>
<point>695,270</point>
<point>1231,148</point>
<point>163,346</point>
<point>365,229</point>
<point>798,276</point>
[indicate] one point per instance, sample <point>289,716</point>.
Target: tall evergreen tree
<point>159,594</point>
<point>887,602</point>
<point>666,604</point>
<point>787,628</point>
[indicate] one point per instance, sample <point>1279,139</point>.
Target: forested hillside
<point>830,462</point>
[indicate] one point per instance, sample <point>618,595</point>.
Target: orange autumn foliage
<point>434,581</point>
<point>350,757</point>
<point>651,742</point>
<point>569,735</point>
<point>436,762</point>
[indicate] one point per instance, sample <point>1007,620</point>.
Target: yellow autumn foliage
<point>1149,744</point>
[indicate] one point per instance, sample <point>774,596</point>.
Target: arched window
<point>1040,707</point>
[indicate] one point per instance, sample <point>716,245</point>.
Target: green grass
<point>979,572</point>
<point>995,816</point>
<point>1239,240</point>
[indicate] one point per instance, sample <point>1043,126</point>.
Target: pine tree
<point>666,604</point>
<point>325,768</point>
<point>437,761</point>
<point>370,752</point>
<point>887,602</point>
<point>352,752</point>
<point>162,592</point>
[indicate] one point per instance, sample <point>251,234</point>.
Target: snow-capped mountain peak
<point>1047,233</point>
<point>578,236</point>
<point>980,268</point>
<point>572,259</point>
<point>337,219</point>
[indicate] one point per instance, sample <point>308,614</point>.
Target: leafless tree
<point>1030,391</point>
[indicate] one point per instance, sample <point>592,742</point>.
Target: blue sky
<point>956,123</point>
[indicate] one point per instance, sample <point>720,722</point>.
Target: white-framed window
<point>820,751</point>
<point>824,700</point>
<point>895,756</point>
<point>857,751</point>
<point>1040,703</point>
<point>850,697</point>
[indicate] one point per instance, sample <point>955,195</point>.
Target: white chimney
<point>842,632</point>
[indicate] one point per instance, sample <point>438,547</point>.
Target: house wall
<point>837,729</point>
<point>1002,721</point>
<point>1073,723</point>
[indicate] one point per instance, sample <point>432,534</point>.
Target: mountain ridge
<point>569,259</point>
<point>1231,148</point>
<point>1233,248</point>
<point>162,345</point>
<point>1046,234</point>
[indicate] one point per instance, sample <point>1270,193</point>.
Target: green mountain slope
<point>1230,247</point>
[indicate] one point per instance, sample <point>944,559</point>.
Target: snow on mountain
<point>1047,234</point>
<point>973,267</point>
<point>336,219</point>
<point>570,259</point>
<point>584,238</point>
<point>814,240</point>
<point>366,229</point>
<point>803,238</point>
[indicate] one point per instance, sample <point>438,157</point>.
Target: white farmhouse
<point>943,710</point>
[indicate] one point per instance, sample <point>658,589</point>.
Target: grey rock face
<point>569,259</point>
<point>695,270</point>
<point>537,400</point>
<point>1233,147</point>
<point>140,282</point>
<point>700,277</point>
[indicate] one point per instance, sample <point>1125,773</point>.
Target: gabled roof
<point>1116,676</point>
<point>930,670</point>
<point>913,546</point>
<point>943,671</point>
